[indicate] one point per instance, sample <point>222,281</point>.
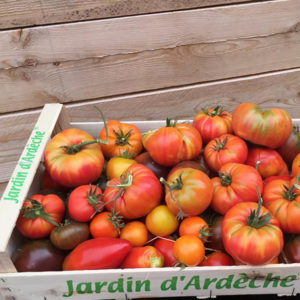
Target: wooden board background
<point>142,60</point>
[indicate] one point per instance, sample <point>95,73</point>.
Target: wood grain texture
<point>39,66</point>
<point>21,13</point>
<point>277,89</point>
<point>2,188</point>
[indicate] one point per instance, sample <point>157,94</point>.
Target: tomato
<point>196,226</point>
<point>296,165</point>
<point>173,143</point>
<point>135,232</point>
<point>161,221</point>
<point>117,165</point>
<point>270,178</point>
<point>253,124</point>
<point>48,184</point>
<point>143,257</point>
<point>104,225</point>
<point>291,249</point>
<point>188,192</point>
<point>97,253</point>
<point>121,137</point>
<point>217,259</point>
<point>227,148</point>
<point>189,250</point>
<point>84,202</point>
<point>38,256</point>
<point>70,234</point>
<point>39,215</point>
<point>282,198</point>
<point>291,147</point>
<point>236,183</point>
<point>165,247</point>
<point>73,158</point>
<point>270,161</point>
<point>212,123</point>
<point>251,235</point>
<point>215,241</point>
<point>146,160</point>
<point>134,194</point>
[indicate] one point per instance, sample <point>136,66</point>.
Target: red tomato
<point>102,225</point>
<point>194,226</point>
<point>134,194</point>
<point>270,161</point>
<point>212,123</point>
<point>48,184</point>
<point>96,254</point>
<point>71,164</point>
<point>251,235</point>
<point>236,183</point>
<point>189,250</point>
<point>282,198</point>
<point>188,192</point>
<point>291,147</point>
<point>270,178</point>
<point>258,126</point>
<point>173,143</point>
<point>143,257</point>
<point>121,137</point>
<point>39,215</point>
<point>217,259</point>
<point>84,202</point>
<point>165,247</point>
<point>227,148</point>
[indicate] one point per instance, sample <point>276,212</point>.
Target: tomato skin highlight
<point>98,253</point>
<point>143,257</point>
<point>76,169</point>
<point>39,228</point>
<point>253,124</point>
<point>246,244</point>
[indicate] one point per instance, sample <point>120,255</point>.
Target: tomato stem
<point>220,144</point>
<point>225,178</point>
<point>94,199</point>
<point>288,193</point>
<point>37,211</point>
<point>122,138</point>
<point>170,122</point>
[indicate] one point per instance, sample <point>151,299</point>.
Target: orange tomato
<point>102,226</point>
<point>194,226</point>
<point>135,232</point>
<point>117,165</point>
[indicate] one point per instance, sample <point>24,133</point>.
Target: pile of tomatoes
<point>221,190</point>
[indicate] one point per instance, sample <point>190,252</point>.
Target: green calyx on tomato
<point>220,144</point>
<point>225,178</point>
<point>288,193</point>
<point>217,111</point>
<point>94,199</point>
<point>37,211</point>
<point>125,154</point>
<point>256,221</point>
<point>170,122</point>
<point>177,184</point>
<point>122,138</point>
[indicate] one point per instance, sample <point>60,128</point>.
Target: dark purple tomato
<point>68,236</point>
<point>38,256</point>
<point>215,240</point>
<point>291,249</point>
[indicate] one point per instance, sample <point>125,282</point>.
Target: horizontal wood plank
<point>76,62</point>
<point>21,13</point>
<point>2,188</point>
<point>277,89</point>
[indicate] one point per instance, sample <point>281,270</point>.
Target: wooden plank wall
<point>142,60</point>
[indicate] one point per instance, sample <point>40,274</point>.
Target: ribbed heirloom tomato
<point>173,143</point>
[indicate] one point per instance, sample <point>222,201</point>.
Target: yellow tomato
<point>117,165</point>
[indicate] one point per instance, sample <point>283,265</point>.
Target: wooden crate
<point>203,282</point>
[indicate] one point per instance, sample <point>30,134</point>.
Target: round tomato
<point>121,137</point>
<point>70,234</point>
<point>251,235</point>
<point>173,143</point>
<point>212,123</point>
<point>196,226</point>
<point>117,165</point>
<point>143,257</point>
<point>188,192</point>
<point>236,183</point>
<point>215,241</point>
<point>267,161</point>
<point>296,165</point>
<point>135,232</point>
<point>84,202</point>
<point>217,259</point>
<point>282,198</point>
<point>134,194</point>
<point>227,148</point>
<point>253,124</point>
<point>188,250</point>
<point>73,157</point>
<point>104,225</point>
<point>291,249</point>
<point>165,247</point>
<point>161,221</point>
<point>39,215</point>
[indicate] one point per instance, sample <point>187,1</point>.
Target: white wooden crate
<point>282,279</point>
